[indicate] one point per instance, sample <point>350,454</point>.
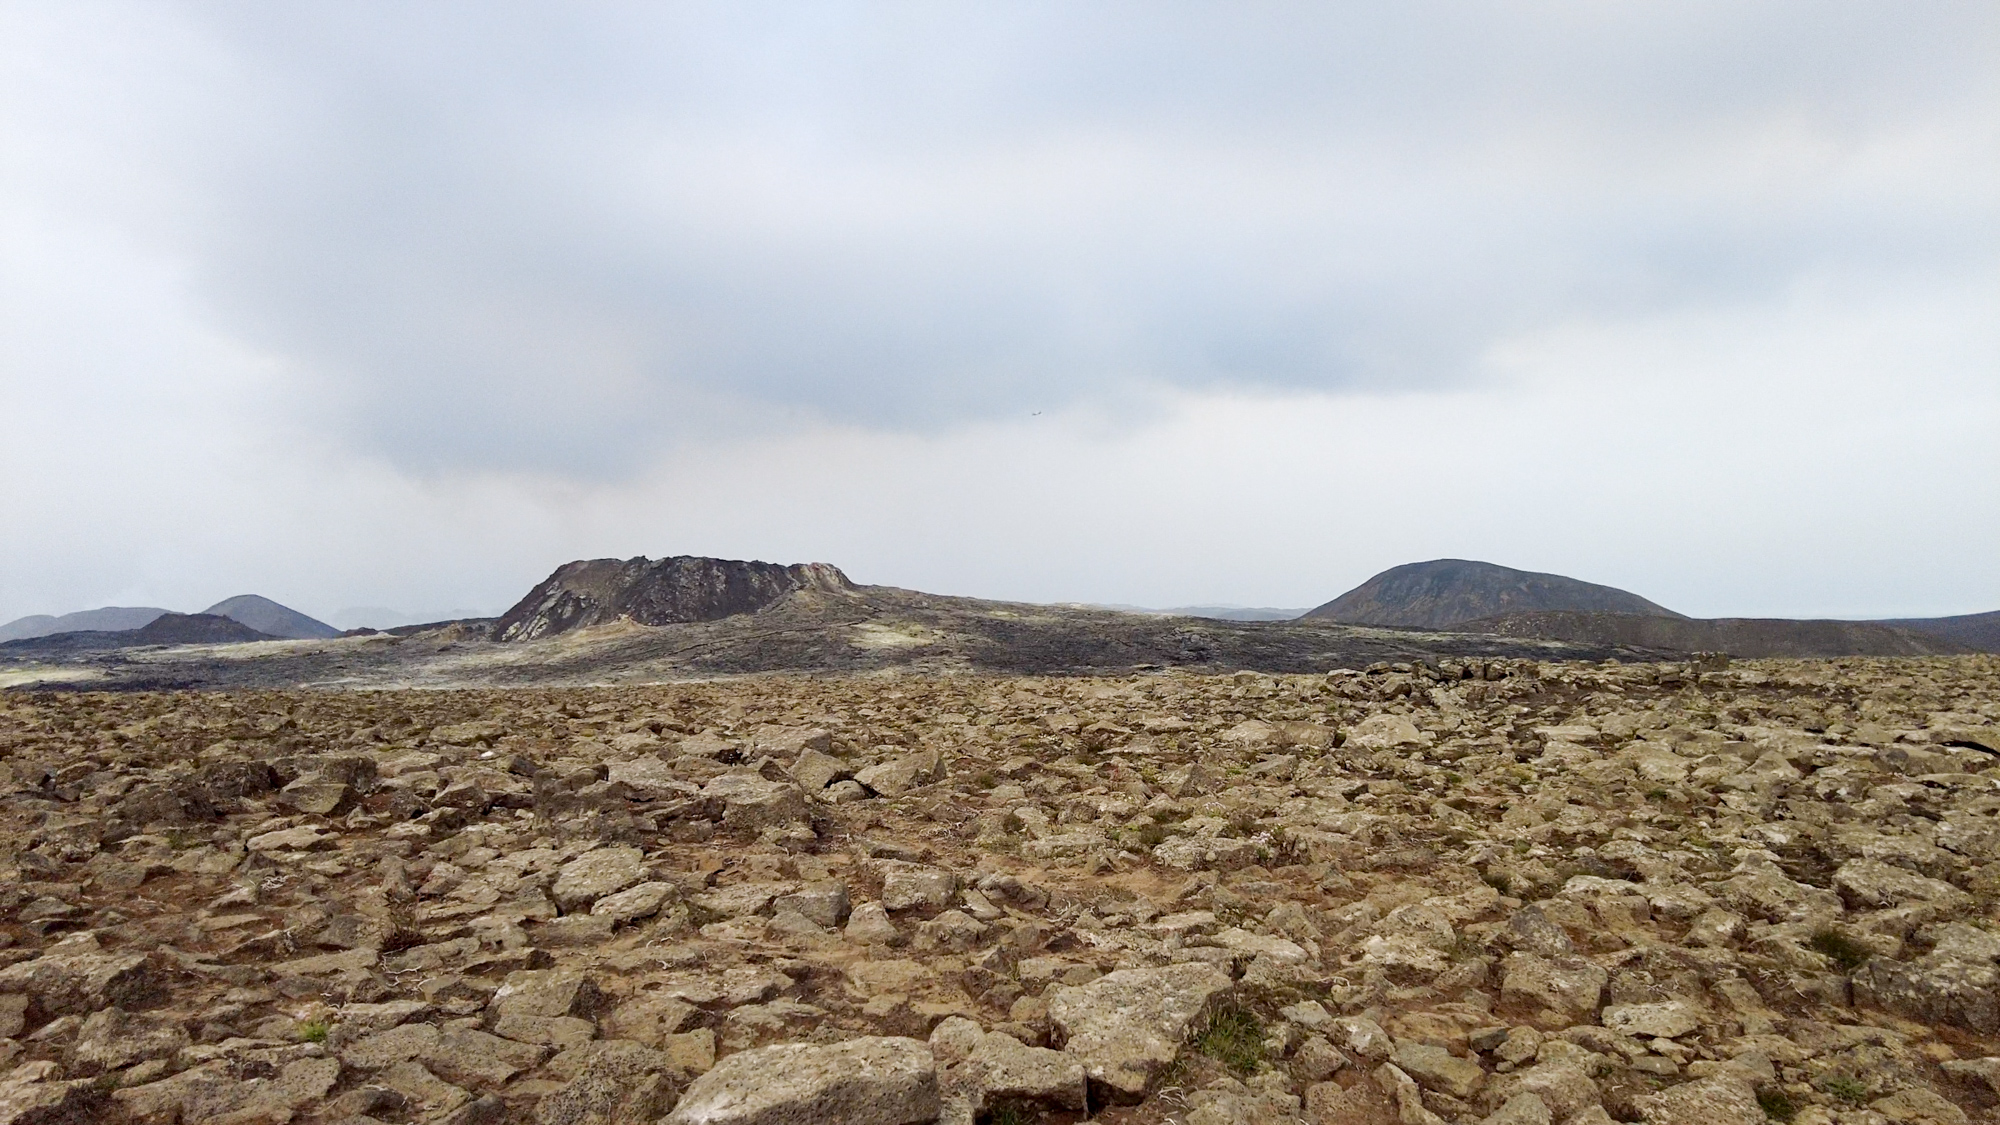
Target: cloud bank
<point>371,304</point>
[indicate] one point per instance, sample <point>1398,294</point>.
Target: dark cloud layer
<point>564,237</point>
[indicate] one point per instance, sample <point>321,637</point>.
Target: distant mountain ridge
<point>110,619</point>
<point>1444,593</point>
<point>166,629</point>
<point>262,619</point>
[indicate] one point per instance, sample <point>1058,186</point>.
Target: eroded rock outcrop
<point>657,592</point>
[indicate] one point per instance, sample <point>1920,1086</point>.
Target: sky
<point>381,304</point>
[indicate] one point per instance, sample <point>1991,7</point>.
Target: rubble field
<point>1476,892</point>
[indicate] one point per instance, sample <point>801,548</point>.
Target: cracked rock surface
<point>1477,892</point>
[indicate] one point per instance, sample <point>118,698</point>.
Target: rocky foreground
<point>1486,892</point>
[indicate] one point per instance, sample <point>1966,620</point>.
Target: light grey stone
<point>1127,1026</point>
<point>1668,1019</point>
<point>869,1081</point>
<point>1705,1101</point>
<point>597,873</point>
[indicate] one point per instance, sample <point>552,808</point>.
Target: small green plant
<point>1233,1038</point>
<point>314,1031</point>
<point>1499,881</point>
<point>1657,794</point>
<point>1841,949</point>
<point>986,780</point>
<point>1846,1087</point>
<point>1777,1104</point>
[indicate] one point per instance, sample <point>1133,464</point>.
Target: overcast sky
<point>406,304</point>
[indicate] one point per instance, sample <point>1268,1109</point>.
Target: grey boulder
<point>869,1081</point>
<point>1127,1026</point>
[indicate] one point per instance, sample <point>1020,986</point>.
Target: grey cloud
<point>562,238</point>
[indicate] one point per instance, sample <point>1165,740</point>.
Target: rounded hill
<point>1443,593</point>
<point>271,619</point>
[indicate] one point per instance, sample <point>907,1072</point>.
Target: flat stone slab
<point>1127,1026</point>
<point>869,1081</point>
<point>594,874</point>
<point>1670,1019</point>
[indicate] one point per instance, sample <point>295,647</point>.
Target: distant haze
<point>389,304</point>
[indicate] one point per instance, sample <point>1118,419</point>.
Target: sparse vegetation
<point>1235,1038</point>
<point>1777,1104</point>
<point>1844,951</point>
<point>1846,1087</point>
<point>1145,836</point>
<point>314,1031</point>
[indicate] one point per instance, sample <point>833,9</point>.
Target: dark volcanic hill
<point>673,591</point>
<point>195,629</point>
<point>1973,630</point>
<point>271,619</point>
<point>1746,637</point>
<point>1444,593</point>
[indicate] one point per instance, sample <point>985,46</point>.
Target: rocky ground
<point>1492,892</point>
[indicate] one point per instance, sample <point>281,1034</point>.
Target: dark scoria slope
<point>646,591</point>
<point>196,629</point>
<point>1746,637</point>
<point>1445,593</point>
